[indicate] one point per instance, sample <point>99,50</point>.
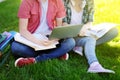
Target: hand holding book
<point>97,31</point>
<point>46,44</point>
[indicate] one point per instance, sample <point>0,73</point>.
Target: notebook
<point>65,31</point>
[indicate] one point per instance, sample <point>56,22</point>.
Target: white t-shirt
<point>76,17</point>
<point>43,27</point>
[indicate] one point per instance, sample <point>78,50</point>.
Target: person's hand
<point>85,28</point>
<point>47,42</point>
<point>83,31</point>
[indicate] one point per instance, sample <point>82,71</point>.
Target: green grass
<point>8,15</point>
<point>75,68</point>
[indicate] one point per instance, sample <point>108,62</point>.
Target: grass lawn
<point>76,67</point>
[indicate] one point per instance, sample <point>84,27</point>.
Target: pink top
<point>30,9</point>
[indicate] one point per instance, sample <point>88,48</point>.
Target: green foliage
<point>8,15</point>
<point>76,67</point>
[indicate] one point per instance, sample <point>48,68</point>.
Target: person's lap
<point>22,50</point>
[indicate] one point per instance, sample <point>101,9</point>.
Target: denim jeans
<point>111,34</point>
<point>22,50</point>
<point>89,44</point>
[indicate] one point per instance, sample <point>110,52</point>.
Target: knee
<point>17,47</point>
<point>114,31</point>
<point>14,47</point>
<point>70,43</point>
<point>90,39</point>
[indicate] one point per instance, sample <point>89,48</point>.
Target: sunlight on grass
<point>113,44</point>
<point>107,11</point>
<point>116,41</point>
<point>75,68</point>
<point>118,59</point>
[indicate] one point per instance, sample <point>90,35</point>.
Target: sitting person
<point>81,12</point>
<point>38,17</point>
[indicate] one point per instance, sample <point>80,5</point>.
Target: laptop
<point>65,31</point>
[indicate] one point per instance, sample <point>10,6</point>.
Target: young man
<point>38,18</point>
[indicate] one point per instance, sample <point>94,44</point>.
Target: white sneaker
<point>97,68</point>
<point>78,50</point>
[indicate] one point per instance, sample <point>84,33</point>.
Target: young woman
<point>39,17</point>
<point>81,12</point>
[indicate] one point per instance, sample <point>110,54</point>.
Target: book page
<point>23,40</point>
<point>99,30</point>
<point>106,26</point>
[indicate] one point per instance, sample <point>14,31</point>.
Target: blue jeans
<point>90,43</point>
<point>111,34</point>
<point>22,50</point>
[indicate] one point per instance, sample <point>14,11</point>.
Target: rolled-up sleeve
<point>90,10</point>
<point>61,13</point>
<point>24,9</point>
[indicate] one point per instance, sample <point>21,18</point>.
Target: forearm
<point>88,25</point>
<point>23,23</point>
<point>59,22</point>
<point>85,28</point>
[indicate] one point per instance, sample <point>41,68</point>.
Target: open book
<point>99,30</point>
<point>23,40</point>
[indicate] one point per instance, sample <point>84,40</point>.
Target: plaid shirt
<point>88,12</point>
